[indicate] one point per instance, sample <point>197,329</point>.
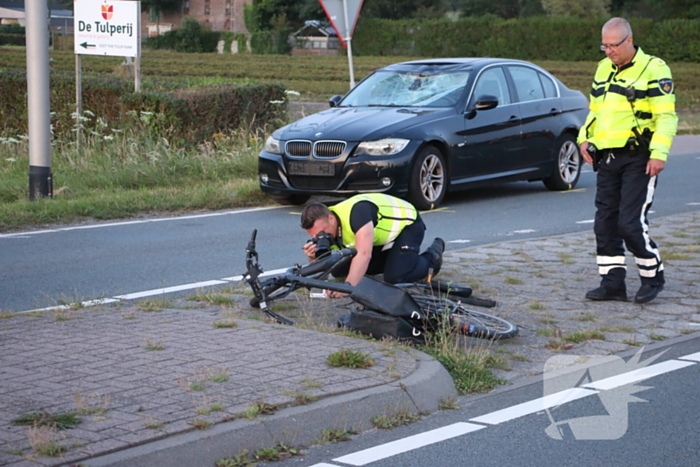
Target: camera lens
<point>323,243</point>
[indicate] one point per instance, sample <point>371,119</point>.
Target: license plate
<point>319,169</point>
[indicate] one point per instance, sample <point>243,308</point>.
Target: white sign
<point>107,28</point>
<point>337,10</point>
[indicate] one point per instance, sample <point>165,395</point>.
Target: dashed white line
<point>693,356</point>
<point>533,406</point>
<point>141,221</point>
<point>459,241</point>
<point>408,444</point>
<point>638,375</point>
<point>524,231</point>
<point>587,221</point>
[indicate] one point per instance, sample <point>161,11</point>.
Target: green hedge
<point>12,39</point>
<point>568,39</point>
<point>188,115</point>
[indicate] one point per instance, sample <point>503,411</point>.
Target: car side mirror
<point>484,102</point>
<point>335,100</point>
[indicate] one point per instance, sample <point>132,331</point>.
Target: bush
<point>189,115</point>
<point>189,37</point>
<point>12,39</point>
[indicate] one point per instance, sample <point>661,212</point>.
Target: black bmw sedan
<point>422,128</point>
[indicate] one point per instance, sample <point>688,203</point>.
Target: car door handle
<point>513,118</point>
<point>555,111</point>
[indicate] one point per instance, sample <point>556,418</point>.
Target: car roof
<point>467,63</point>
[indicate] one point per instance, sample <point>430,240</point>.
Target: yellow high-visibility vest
<point>394,214</point>
<point>612,116</point>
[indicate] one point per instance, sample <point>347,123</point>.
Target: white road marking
<point>693,356</point>
<point>533,406</point>
<point>408,444</point>
<point>692,204</point>
<point>99,301</point>
<point>323,464</point>
<point>524,231</point>
<point>142,221</point>
<point>177,288</point>
<point>587,221</point>
<point>264,274</point>
<point>638,375</point>
<point>459,241</point>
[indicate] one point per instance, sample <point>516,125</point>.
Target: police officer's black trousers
<point>623,199</point>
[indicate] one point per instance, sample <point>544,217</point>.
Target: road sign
<point>108,28</point>
<point>342,17</point>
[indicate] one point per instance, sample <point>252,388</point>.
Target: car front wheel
<point>428,183</point>
<point>567,171</point>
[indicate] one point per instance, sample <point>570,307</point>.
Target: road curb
<point>420,392</point>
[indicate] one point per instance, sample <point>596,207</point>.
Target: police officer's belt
<point>629,151</point>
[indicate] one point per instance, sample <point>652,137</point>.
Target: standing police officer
<point>627,137</point>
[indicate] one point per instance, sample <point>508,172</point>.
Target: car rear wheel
<point>291,200</point>
<point>568,165</point>
<point>428,183</point>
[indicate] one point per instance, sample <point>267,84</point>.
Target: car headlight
<point>382,147</point>
<point>272,146</point>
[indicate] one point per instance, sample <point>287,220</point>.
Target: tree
<point>158,7</point>
<point>404,9</point>
<point>577,8</point>
<point>505,9</point>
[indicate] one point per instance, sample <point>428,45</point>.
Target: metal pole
<point>348,41</point>
<point>137,74</point>
<point>38,100</point>
<point>78,101</point>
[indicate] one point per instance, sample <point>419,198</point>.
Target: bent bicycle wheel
<point>469,322</point>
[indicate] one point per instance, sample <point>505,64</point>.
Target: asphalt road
<point>67,264</point>
<point>624,419</point>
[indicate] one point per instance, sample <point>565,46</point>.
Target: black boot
<point>435,254</point>
<point>607,293</point>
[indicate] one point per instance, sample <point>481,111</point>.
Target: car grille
<point>314,183</point>
<point>298,148</point>
<point>329,148</point>
<point>321,149</point>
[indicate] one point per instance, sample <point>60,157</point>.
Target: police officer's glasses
<point>605,47</point>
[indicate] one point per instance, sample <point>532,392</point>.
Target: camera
<point>323,242</point>
<point>593,152</point>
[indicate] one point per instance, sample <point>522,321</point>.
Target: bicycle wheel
<point>471,323</point>
<point>431,289</point>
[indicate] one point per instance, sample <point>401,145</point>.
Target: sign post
<point>343,16</point>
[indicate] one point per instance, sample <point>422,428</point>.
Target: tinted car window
<point>550,90</point>
<point>527,83</point>
<point>493,82</point>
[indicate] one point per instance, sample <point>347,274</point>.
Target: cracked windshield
<point>415,89</point>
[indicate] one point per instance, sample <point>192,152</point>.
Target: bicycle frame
<point>372,294</point>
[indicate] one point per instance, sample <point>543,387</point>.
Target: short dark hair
<point>312,212</point>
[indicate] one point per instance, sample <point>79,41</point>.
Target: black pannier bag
<point>390,312</point>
